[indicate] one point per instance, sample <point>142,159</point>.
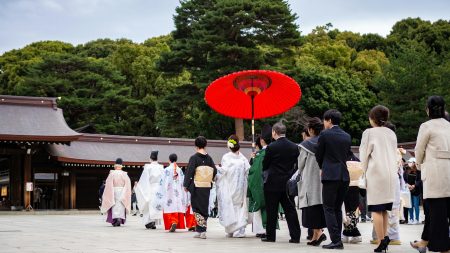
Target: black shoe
<point>150,225</point>
<point>383,245</point>
<point>337,245</point>
<point>116,223</point>
<point>265,239</point>
<point>321,239</point>
<point>260,235</point>
<point>192,229</point>
<point>403,222</point>
<point>387,240</point>
<point>312,243</point>
<point>294,241</point>
<point>134,214</point>
<point>173,227</point>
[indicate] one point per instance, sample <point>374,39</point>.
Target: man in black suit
<point>332,154</point>
<point>279,164</point>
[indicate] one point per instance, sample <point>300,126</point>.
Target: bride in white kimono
<point>149,192</point>
<point>232,190</point>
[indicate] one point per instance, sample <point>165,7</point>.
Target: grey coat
<point>309,186</point>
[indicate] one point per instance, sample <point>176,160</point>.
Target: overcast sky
<point>79,21</point>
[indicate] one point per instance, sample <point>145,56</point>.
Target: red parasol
<point>253,94</point>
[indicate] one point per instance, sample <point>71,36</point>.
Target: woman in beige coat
<point>433,159</point>
<point>378,154</point>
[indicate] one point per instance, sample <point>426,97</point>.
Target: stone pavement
<point>90,233</point>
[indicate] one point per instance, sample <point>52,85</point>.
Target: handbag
<point>405,196</point>
<point>292,185</point>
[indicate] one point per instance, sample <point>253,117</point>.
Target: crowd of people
<point>321,177</point>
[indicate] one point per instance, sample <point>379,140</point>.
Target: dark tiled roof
<point>33,119</point>
<point>104,149</point>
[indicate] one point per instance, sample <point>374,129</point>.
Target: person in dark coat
<point>332,154</point>
<point>279,164</point>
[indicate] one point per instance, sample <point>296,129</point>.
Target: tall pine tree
<point>216,37</point>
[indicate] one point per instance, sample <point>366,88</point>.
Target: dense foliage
<point>156,88</point>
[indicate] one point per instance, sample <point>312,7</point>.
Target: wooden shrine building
<point>44,164</point>
<point>47,165</point>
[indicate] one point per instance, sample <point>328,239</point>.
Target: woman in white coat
<point>433,159</point>
<point>378,154</point>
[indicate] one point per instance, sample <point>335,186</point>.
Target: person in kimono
<point>351,233</point>
<point>189,215</point>
<point>116,198</point>
<point>198,179</point>
<point>255,192</point>
<point>149,192</point>
<point>232,190</point>
<point>174,196</point>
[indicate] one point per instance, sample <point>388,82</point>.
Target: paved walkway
<point>90,233</point>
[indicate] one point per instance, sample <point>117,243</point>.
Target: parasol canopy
<point>253,94</point>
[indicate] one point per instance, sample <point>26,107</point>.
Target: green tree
<point>13,64</point>
<point>90,88</point>
<point>101,48</point>
<point>334,75</point>
<point>214,38</point>
<point>324,88</point>
<point>435,35</point>
<point>414,74</point>
<point>371,41</point>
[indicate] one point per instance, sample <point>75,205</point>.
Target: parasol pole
<point>253,122</point>
<point>253,127</point>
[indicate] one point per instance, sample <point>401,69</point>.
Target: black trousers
<point>273,199</point>
<point>333,195</point>
<point>439,221</point>
<point>406,213</point>
<point>363,207</point>
<point>426,210</point>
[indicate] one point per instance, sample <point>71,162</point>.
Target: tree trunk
<point>239,128</point>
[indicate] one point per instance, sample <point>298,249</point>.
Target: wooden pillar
<point>73,191</point>
<point>239,128</point>
<point>65,191</point>
<point>15,180</point>
<point>27,173</point>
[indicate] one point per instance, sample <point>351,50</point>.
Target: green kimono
<point>255,191</point>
